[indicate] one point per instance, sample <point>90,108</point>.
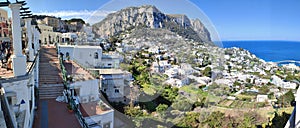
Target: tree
<point>248,80</point>
<point>207,72</point>
<point>201,102</point>
<point>286,99</point>
<point>161,108</point>
<point>190,120</point>
<point>271,95</point>
<point>170,93</point>
<point>215,119</point>
<point>236,83</point>
<point>133,111</point>
<point>279,121</point>
<point>250,120</point>
<point>290,77</point>
<point>182,104</point>
<point>264,90</point>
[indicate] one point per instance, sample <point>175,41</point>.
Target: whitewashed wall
<point>88,90</point>
<point>84,55</point>
<point>103,118</point>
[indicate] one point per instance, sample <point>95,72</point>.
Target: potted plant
<point>69,108</point>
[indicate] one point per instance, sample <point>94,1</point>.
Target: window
<point>117,91</point>
<point>77,92</point>
<point>12,100</point>
<point>96,55</point>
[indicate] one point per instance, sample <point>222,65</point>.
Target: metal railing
<point>33,64</point>
<point>94,73</point>
<point>291,122</point>
<point>69,96</point>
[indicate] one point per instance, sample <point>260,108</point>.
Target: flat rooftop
<point>81,46</point>
<point>53,114</point>
<point>77,72</point>
<point>94,108</point>
<point>110,71</point>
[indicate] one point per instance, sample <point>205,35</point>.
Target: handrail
<point>93,73</point>
<point>291,122</point>
<point>34,63</point>
<point>69,97</point>
<point>26,76</point>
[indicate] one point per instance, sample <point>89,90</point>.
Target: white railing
<point>291,121</point>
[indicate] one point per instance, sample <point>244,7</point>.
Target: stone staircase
<point>50,91</point>
<point>50,78</point>
<point>49,69</point>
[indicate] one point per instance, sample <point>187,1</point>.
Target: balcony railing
<point>69,97</point>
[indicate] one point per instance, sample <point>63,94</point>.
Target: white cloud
<point>90,16</point>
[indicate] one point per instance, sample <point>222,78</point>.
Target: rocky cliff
<point>150,17</point>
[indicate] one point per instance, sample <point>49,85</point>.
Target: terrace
<point>97,114</point>
<point>6,70</point>
<point>94,108</point>
<point>76,72</point>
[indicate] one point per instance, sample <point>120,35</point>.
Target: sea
<point>274,51</point>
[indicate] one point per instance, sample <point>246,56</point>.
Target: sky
<point>225,19</point>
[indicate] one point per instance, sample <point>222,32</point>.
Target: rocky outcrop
<point>200,29</point>
<point>150,17</point>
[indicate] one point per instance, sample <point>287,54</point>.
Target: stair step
<point>50,77</point>
<point>50,89</point>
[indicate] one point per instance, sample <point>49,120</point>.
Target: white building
<point>69,37</point>
<point>110,61</point>
<point>89,56</point>
<point>280,83</point>
<point>115,83</point>
<point>178,82</point>
<point>48,36</point>
<point>161,66</point>
<point>186,69</point>
<point>172,72</point>
<point>84,90</point>
<point>291,66</point>
<point>261,98</point>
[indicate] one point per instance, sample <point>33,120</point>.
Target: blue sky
<point>231,19</point>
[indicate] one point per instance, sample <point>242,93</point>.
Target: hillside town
<point>55,70</point>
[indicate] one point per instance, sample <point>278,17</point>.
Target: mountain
<point>149,16</point>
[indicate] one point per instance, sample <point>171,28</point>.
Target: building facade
<point>48,36</point>
<point>5,30</point>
